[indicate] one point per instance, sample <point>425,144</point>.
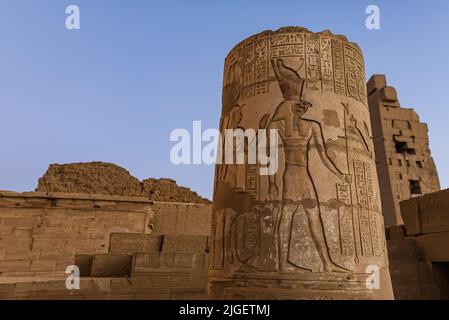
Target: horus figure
<point>298,191</point>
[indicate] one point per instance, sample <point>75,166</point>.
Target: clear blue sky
<point>114,90</point>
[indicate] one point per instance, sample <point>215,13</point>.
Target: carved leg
<point>284,234</point>
<point>317,232</point>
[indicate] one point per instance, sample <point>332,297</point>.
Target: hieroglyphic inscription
<point>345,219</point>
<point>249,69</point>
<point>368,217</point>
<point>339,67</point>
<point>261,66</point>
<point>355,76</point>
<point>287,45</point>
<point>251,183</point>
<point>317,221</point>
<point>374,223</point>
<point>369,186</point>
<point>344,193</point>
<point>326,62</point>
<point>313,62</point>
<point>364,217</point>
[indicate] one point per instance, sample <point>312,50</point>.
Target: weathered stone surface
<point>427,219</point>
<point>396,233</point>
<point>388,94</point>
<point>105,289</point>
<point>170,261</point>
<point>411,275</point>
<point>167,190</point>
<point>418,250</point>
<point>184,244</point>
<point>410,215</point>
<point>109,179</point>
<point>404,163</point>
<point>318,218</point>
<point>376,81</point>
<point>93,177</point>
<point>130,243</point>
<point>84,263</point>
<point>435,246</point>
<point>111,265</point>
<point>43,233</point>
<point>182,218</point>
<point>433,209</point>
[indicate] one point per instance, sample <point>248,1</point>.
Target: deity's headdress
<point>290,83</point>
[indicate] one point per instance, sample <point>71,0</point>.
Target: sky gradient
<point>115,89</point>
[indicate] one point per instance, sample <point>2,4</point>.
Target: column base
<point>294,286</point>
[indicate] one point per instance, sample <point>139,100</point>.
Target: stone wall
<point>110,179</point>
<point>411,274</point>
<point>115,238</point>
<point>403,159</point>
<point>419,250</point>
<point>160,276</point>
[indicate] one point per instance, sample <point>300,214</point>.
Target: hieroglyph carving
<point>320,212</point>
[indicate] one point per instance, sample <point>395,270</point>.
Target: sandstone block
<point>184,244</point>
<point>43,265</point>
<point>15,266</point>
<point>410,215</point>
<point>389,94</point>
<point>111,265</point>
<point>130,243</point>
<point>146,261</point>
<point>13,254</point>
<point>435,246</point>
<point>61,265</point>
<point>180,218</point>
<point>84,263</point>
<point>397,232</point>
<point>376,81</point>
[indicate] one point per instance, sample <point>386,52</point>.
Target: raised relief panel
<point>339,67</point>
<point>326,64</point>
<point>316,221</point>
<point>247,236</point>
<point>364,217</point>
<point>346,219</point>
<point>313,60</point>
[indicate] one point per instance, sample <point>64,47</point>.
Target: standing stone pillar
<point>314,229</point>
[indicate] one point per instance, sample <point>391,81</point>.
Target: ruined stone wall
<point>161,248</point>
<point>419,250</point>
<point>411,274</point>
<point>40,233</point>
<point>404,163</point>
<point>110,179</point>
<point>180,218</point>
<point>107,288</point>
<point>427,219</point>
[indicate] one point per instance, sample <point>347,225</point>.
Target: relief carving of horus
<point>290,230</point>
<point>317,216</point>
<point>300,213</point>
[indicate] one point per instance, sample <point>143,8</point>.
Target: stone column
<point>313,228</point>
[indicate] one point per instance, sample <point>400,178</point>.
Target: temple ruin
<point>404,162</point>
<point>349,158</point>
<point>419,249</point>
<point>126,239</point>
